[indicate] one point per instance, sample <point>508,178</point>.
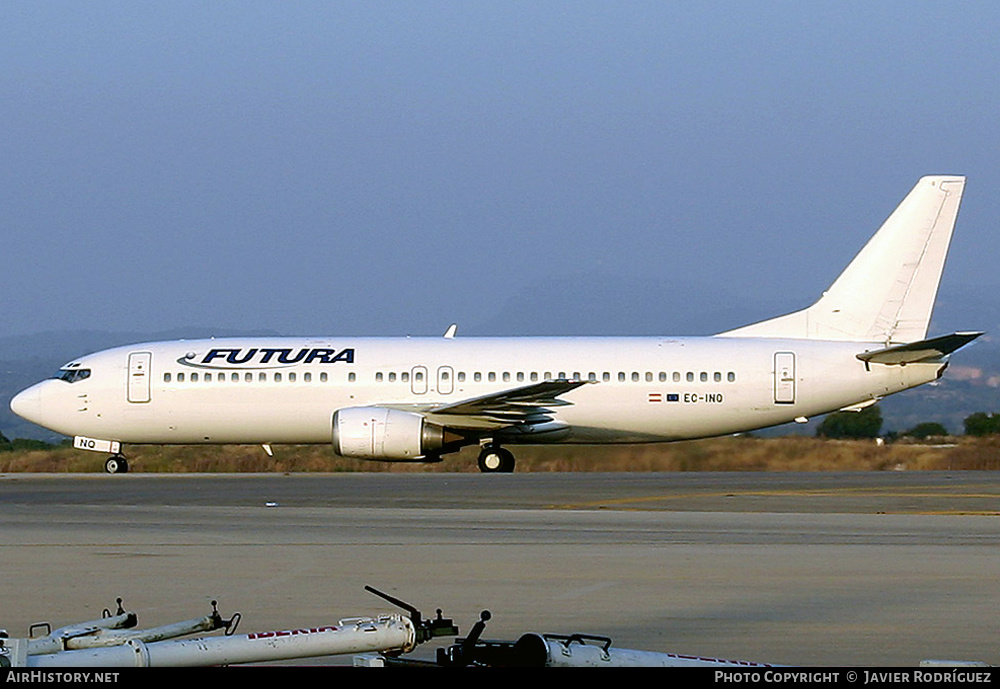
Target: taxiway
<point>810,569</point>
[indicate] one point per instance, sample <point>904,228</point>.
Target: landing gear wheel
<point>496,460</point>
<point>116,464</point>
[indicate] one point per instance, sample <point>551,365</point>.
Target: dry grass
<point>721,454</point>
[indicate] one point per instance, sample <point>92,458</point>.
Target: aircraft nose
<point>27,404</point>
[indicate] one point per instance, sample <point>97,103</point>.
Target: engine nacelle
<point>389,434</point>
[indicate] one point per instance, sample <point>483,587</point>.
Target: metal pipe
<point>360,635</point>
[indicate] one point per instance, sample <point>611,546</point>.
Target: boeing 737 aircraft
<point>415,399</point>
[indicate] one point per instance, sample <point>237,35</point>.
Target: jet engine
<point>387,434</point>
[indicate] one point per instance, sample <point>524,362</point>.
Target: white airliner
<point>414,399</point>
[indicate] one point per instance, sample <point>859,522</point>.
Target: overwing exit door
<point>446,380</point>
<point>418,380</point>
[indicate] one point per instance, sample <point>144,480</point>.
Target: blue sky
<point>390,167</point>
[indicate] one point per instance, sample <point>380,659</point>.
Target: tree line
<point>21,444</point>
<point>867,423</point>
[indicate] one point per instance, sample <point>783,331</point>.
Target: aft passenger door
<point>784,378</point>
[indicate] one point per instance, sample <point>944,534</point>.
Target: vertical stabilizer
<point>887,292</point>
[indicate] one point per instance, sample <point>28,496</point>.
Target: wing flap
<point>531,404</point>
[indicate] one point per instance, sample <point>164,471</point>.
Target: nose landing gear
<point>116,464</point>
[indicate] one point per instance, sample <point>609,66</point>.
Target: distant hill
<point>565,305</point>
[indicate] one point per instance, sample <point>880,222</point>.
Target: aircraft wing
<point>924,350</point>
<point>531,404</point>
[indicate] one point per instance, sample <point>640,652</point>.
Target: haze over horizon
<point>390,168</point>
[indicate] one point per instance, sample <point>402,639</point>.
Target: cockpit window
<point>72,375</point>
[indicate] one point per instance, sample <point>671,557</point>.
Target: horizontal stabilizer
<point>924,350</point>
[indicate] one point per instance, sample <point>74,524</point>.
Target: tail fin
<point>887,292</point>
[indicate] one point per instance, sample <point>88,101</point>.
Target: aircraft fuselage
<point>639,389</point>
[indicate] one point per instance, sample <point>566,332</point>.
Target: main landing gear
<point>116,464</point>
<point>494,459</point>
